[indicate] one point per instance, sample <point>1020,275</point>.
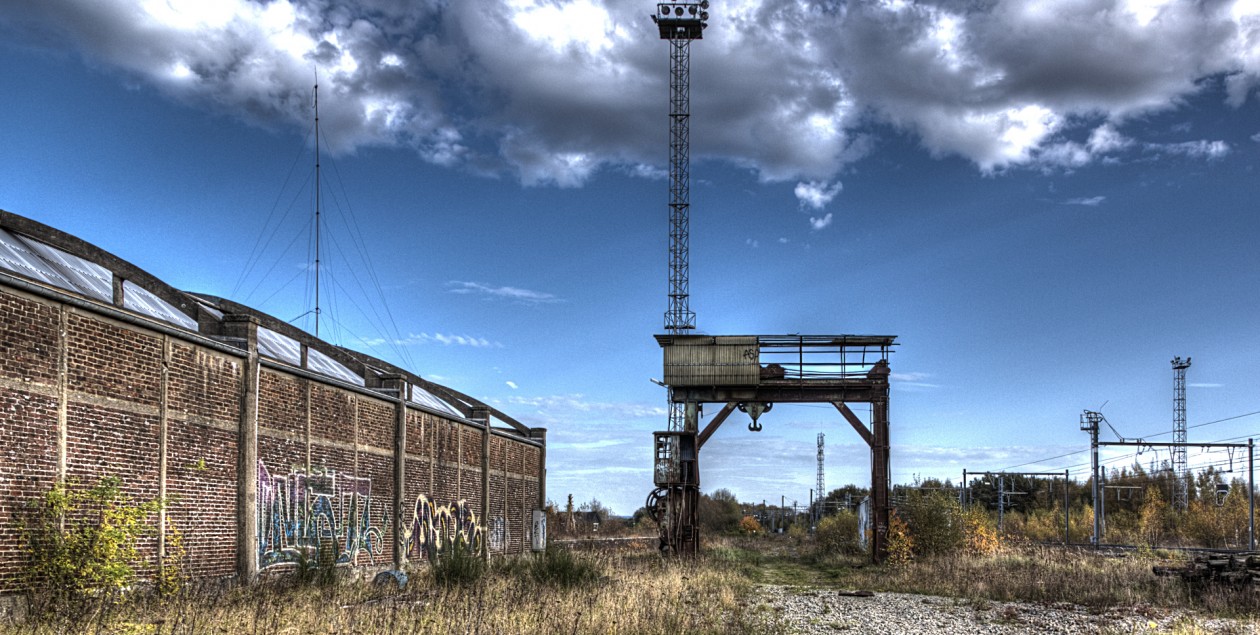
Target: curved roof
<point>53,258</point>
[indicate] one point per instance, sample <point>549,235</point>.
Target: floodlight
<point>704,4</point>
<point>691,9</point>
<point>678,11</point>
<point>704,15</point>
<point>664,10</point>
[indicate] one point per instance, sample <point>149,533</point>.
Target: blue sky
<point>1045,203</point>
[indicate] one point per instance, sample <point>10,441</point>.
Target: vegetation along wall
<point>268,445</point>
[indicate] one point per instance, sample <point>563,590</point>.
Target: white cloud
<point>752,242</point>
<point>1201,149</point>
<point>1205,385</point>
<point>1092,201</point>
<point>783,240</point>
<point>820,223</point>
<point>511,384</point>
<point>523,296</point>
<point>817,194</point>
<point>444,339</point>
<point>782,88</point>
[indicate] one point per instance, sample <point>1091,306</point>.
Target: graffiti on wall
<point>300,513</point>
<point>498,534</point>
<point>435,528</point>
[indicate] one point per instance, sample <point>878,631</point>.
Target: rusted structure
<point>751,373</point>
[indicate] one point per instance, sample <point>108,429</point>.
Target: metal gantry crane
<point>748,373</point>
<point>677,496</point>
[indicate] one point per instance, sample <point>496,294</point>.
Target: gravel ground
<point>793,610</point>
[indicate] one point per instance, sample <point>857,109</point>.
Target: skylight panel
<point>326,365</point>
<point>18,258</point>
<point>141,300</point>
<point>87,277</point>
<point>277,346</point>
<point>425,398</point>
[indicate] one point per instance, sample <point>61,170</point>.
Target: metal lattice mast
<point>680,23</point>
<point>1181,498</point>
<point>822,491</point>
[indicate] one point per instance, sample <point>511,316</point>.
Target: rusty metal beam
<point>852,391</point>
<point>855,422</point>
<point>715,424</point>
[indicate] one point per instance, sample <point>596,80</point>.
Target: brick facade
<point>85,393</point>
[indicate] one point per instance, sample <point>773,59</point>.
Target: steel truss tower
<point>1181,499</point>
<point>680,23</point>
<point>822,492</point>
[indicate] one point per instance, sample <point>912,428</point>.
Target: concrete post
<point>482,415</point>
<point>398,385</point>
<point>540,435</point>
<point>246,328</point>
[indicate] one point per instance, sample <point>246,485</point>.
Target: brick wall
<point>162,411</point>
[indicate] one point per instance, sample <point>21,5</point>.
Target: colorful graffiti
<point>435,528</point>
<point>298,513</point>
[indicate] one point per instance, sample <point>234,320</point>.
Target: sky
<point>1045,202</point>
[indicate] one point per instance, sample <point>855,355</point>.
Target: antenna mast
<point>317,219</point>
<point>1181,498</point>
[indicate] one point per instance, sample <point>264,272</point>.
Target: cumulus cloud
<point>511,384</point>
<point>1091,201</point>
<point>523,296</point>
<point>817,194</point>
<point>817,224</point>
<point>552,91</point>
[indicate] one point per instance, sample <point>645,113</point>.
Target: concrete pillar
<point>482,415</point>
<point>246,328</point>
<point>398,386</point>
<point>540,435</point>
<point>163,452</point>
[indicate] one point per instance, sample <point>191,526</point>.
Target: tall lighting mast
<point>680,23</point>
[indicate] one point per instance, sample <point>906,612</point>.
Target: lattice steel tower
<point>1181,497</point>
<point>822,492</point>
<point>680,23</point>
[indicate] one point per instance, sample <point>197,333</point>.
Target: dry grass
<point>637,594</point>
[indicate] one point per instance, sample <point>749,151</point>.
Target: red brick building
<point>267,443</point>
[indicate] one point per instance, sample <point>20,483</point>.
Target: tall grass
<point>594,594</point>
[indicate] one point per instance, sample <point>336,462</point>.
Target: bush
<point>935,519</point>
<point>838,534</point>
<point>83,542</point>
<point>749,525</point>
<point>900,541</point>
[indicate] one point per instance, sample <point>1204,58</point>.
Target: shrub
<point>749,525</point>
<point>82,541</point>
<point>980,535</point>
<point>935,519</point>
<point>900,541</point>
<point>838,534</point>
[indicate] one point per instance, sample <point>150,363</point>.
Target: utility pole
<point>1089,423</point>
<point>1181,497</point>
